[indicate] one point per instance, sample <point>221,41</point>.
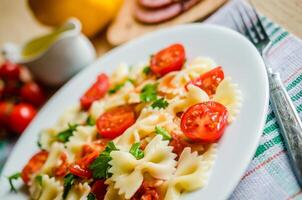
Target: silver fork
<point>282,105</point>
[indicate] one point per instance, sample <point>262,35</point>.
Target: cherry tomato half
<point>21,116</point>
<point>34,164</point>
<point>169,59</point>
<point>209,81</point>
<point>10,71</point>
<point>99,189</point>
<point>204,121</point>
<point>33,93</point>
<point>114,122</point>
<point>96,91</point>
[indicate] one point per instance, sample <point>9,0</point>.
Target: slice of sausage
<point>153,16</point>
<point>155,3</point>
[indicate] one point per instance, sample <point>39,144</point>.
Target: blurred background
<point>105,24</point>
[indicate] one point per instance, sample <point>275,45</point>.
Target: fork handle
<point>289,122</point>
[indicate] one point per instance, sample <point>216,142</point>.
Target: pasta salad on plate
<point>148,131</point>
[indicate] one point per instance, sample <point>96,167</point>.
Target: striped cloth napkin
<point>269,175</point>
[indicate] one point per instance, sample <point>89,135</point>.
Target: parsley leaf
<point>136,151</point>
<point>116,88</point>
<point>160,103</point>
<point>148,93</point>
<point>147,70</point>
<point>163,132</point>
<point>68,182</point>
<point>39,141</point>
<point>64,136</point>
<point>90,121</point>
<point>91,196</point>
<point>15,176</point>
<point>100,165</point>
<point>38,178</point>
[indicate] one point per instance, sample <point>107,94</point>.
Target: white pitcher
<point>55,57</point>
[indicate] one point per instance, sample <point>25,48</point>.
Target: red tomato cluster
<point>20,97</point>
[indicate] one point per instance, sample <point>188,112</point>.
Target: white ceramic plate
<point>239,59</point>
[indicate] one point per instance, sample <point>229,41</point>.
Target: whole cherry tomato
<point>114,122</point>
<point>10,71</point>
<point>209,81</point>
<point>167,60</point>
<point>33,93</point>
<point>5,111</point>
<point>96,91</point>
<point>21,116</point>
<point>34,165</point>
<point>204,121</point>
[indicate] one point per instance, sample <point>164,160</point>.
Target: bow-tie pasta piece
<point>173,84</point>
<point>97,108</point>
<point>56,150</point>
<point>112,193</point>
<point>47,137</point>
<point>83,135</point>
<point>47,189</point>
<point>128,173</point>
<point>78,192</point>
<point>72,115</point>
<point>120,74</point>
<point>191,173</point>
<point>228,94</point>
<point>195,95</point>
<point>145,127</point>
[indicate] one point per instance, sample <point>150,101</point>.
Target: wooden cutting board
<point>125,27</point>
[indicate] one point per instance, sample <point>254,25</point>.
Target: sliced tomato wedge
<point>77,170</point>
<point>208,81</point>
<point>114,122</point>
<point>81,167</point>
<point>99,189</point>
<point>34,165</point>
<point>167,60</point>
<point>95,92</point>
<point>205,121</point>
<point>62,169</point>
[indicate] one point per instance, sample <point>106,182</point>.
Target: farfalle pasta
<point>148,131</point>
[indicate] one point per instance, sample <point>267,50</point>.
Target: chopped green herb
<point>147,70</point>
<point>116,88</point>
<point>64,136</point>
<point>160,103</point>
<point>15,176</point>
<point>148,93</point>
<point>100,165</point>
<point>163,132</point>
<point>38,178</point>
<point>39,141</point>
<point>68,182</point>
<point>136,151</point>
<point>91,196</point>
<point>90,121</point>
<point>131,80</point>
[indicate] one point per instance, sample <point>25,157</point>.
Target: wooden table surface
<point>17,24</point>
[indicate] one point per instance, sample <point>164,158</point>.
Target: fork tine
<point>248,32</point>
<point>237,25</point>
<point>253,24</point>
<point>260,23</point>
